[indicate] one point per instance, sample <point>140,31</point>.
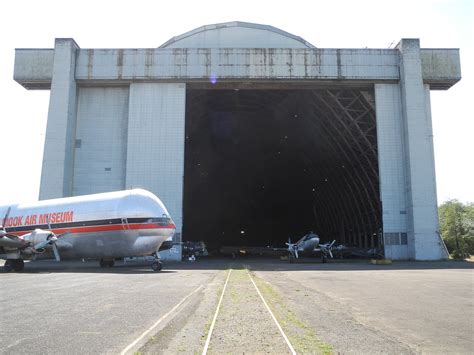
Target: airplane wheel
<point>8,265</point>
<point>291,259</point>
<point>18,265</point>
<point>156,266</point>
<point>103,263</point>
<point>324,260</point>
<point>106,263</point>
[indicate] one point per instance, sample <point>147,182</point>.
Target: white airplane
<point>309,244</point>
<point>102,226</point>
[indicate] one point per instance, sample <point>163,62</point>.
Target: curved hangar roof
<point>237,35</point>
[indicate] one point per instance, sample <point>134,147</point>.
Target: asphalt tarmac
<point>351,307</point>
<point>80,308</point>
<point>406,307</point>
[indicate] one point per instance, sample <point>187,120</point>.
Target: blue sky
<point>145,24</point>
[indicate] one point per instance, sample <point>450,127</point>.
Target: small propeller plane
<point>309,244</point>
<point>102,226</point>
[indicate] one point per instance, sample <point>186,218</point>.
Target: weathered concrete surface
<point>75,308</point>
<point>438,65</point>
<point>400,308</point>
<point>33,67</point>
<point>71,307</point>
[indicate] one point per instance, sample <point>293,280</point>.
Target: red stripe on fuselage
<point>104,228</point>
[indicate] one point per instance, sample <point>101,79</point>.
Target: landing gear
<point>8,265</point>
<point>18,265</point>
<point>13,264</point>
<point>156,265</point>
<point>291,258</point>
<point>324,258</point>
<point>106,263</point>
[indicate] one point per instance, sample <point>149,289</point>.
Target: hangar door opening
<point>265,165</point>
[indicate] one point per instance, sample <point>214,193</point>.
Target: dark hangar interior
<point>265,165</point>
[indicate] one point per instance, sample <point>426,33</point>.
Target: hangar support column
<point>155,153</point>
<point>57,171</point>
<point>424,242</point>
<point>392,175</point>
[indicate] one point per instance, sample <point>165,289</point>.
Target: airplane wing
<point>229,250</point>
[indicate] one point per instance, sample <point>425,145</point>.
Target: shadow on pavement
<point>305,264</point>
<point>88,267</point>
<point>222,263</point>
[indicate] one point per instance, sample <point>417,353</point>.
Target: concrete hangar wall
<point>248,130</point>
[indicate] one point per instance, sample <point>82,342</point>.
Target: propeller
<point>25,242</point>
<point>292,248</point>
<point>51,239</point>
<point>56,252</point>
<point>326,248</point>
<point>3,231</point>
<point>54,238</point>
<point>8,239</point>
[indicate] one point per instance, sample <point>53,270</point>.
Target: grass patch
<point>302,336</point>
<point>207,326</point>
<point>238,276</point>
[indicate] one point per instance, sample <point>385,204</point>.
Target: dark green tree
<point>456,223</point>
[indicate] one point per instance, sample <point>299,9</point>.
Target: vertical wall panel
<point>391,167</point>
<point>155,156</point>
<point>101,140</point>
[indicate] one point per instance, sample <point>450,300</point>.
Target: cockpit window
<point>164,220</point>
<point>310,236</point>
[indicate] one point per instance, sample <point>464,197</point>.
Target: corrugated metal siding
<point>101,140</point>
<point>155,156</point>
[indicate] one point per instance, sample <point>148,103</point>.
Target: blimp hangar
<point>250,134</point>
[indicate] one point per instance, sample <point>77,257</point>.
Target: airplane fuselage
<point>309,244</point>
<point>109,225</point>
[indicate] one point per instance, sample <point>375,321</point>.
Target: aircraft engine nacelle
<point>11,242</point>
<point>38,236</point>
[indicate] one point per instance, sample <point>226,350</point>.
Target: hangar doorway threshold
<point>263,165</point>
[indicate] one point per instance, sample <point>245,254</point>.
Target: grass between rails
<point>302,336</point>
<point>238,276</point>
<point>207,326</point>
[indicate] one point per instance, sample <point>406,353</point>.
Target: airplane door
<point>125,225</point>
